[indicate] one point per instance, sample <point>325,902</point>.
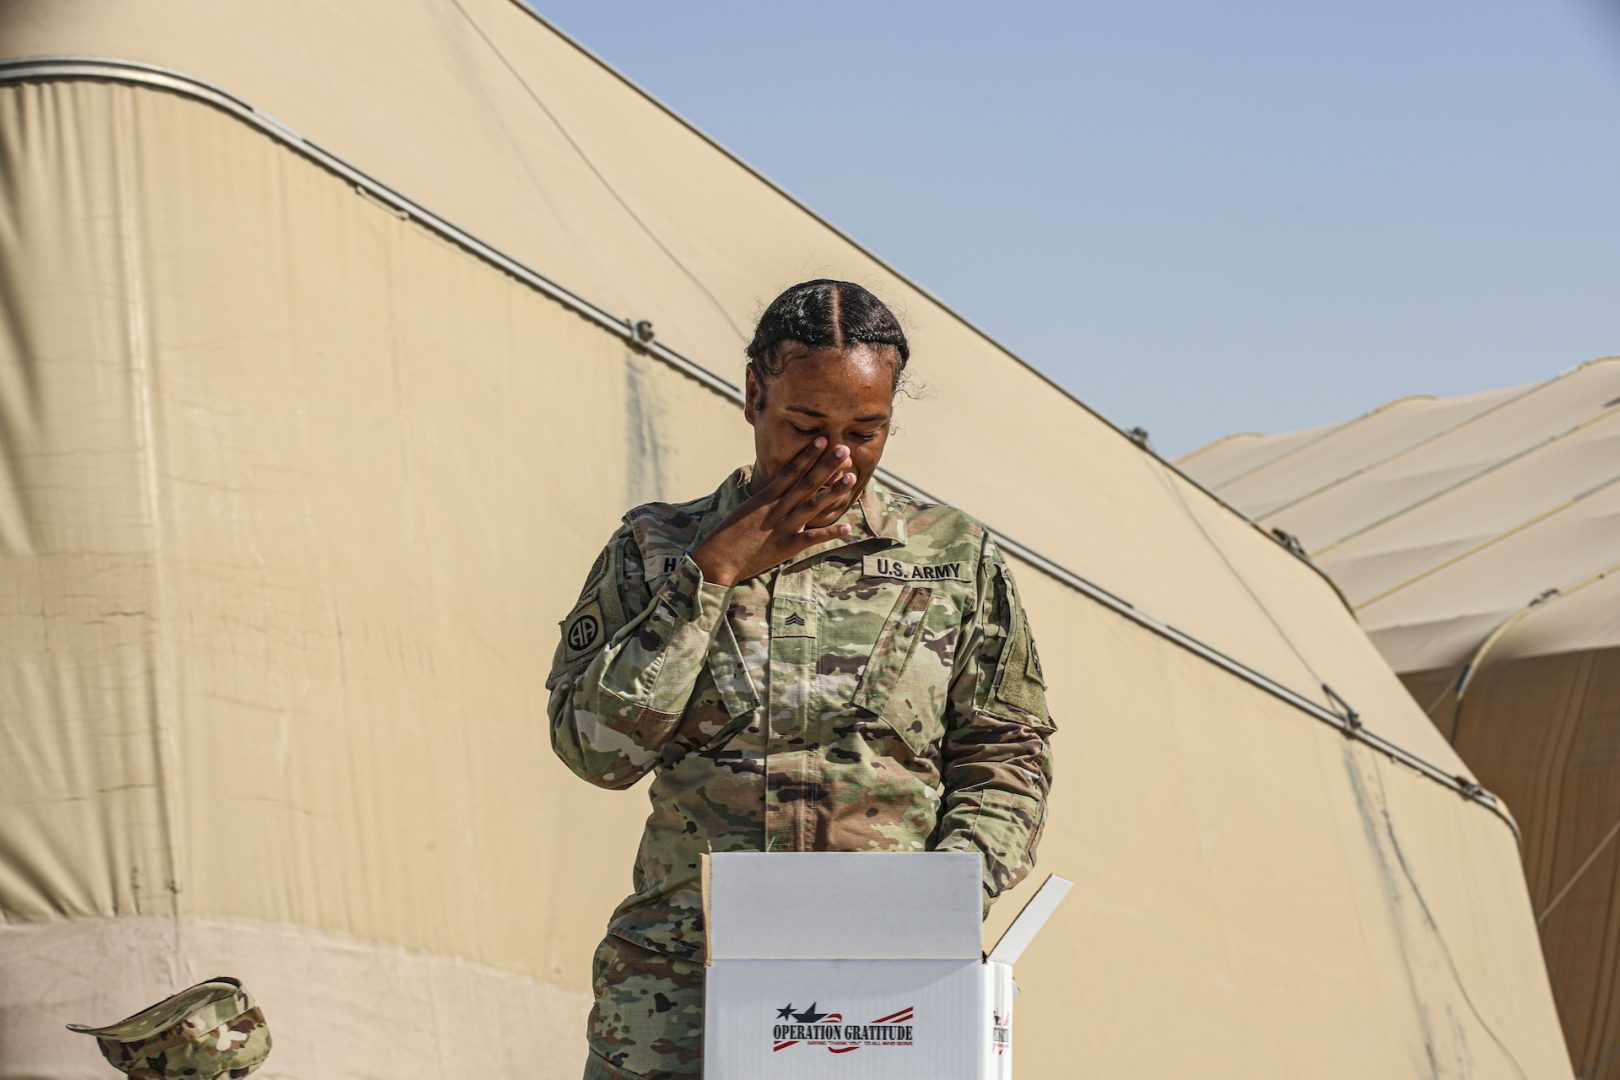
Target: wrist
<point>715,571</point>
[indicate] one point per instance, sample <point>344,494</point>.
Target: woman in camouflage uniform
<point>805,659</point>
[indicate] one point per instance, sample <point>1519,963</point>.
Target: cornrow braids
<point>823,314</point>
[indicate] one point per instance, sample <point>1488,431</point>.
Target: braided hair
<point>823,314</point>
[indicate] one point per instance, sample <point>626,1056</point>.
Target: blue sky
<point>1200,218</point>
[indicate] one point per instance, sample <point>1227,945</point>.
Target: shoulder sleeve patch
<point>582,633</point>
<point>603,606</point>
<point>594,578</point>
<point>1018,683</point>
<point>584,628</point>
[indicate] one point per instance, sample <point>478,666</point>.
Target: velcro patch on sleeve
<point>583,634</point>
<point>582,630</point>
<point>884,567</point>
<point>1019,681</point>
<point>594,578</point>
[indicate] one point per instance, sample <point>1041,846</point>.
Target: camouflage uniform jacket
<point>881,692</point>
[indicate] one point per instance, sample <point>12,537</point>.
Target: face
<point>844,395</point>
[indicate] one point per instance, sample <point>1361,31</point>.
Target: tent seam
<point>162,703</point>
<point>1474,549</point>
<point>1397,455</point>
<point>1511,459</point>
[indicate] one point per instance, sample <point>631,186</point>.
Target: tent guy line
<point>640,335</point>
<point>601,177</point>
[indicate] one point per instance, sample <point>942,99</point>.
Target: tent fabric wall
<point>295,490</point>
<point>1479,541</point>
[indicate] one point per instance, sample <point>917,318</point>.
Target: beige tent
<point>337,336</point>
<point>1478,539</point>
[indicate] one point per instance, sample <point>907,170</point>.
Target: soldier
<point>805,659</point>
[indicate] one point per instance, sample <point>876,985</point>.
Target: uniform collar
<point>883,515</point>
<point>731,493</point>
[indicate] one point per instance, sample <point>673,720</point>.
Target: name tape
<point>659,565</point>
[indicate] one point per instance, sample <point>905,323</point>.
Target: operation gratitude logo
<point>828,1029</point>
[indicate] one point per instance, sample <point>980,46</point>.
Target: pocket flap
<point>730,674</point>
<point>892,651</point>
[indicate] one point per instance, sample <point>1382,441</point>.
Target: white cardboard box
<point>858,966</point>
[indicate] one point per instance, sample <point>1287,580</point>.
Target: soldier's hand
<point>772,525</point>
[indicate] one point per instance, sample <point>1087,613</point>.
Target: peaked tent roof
<point>1440,519</point>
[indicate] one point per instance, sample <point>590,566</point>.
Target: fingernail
<point>847,479</point>
<point>841,453</point>
<point>820,442</point>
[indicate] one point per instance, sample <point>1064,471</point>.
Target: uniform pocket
<point>730,672</point>
<point>896,684</point>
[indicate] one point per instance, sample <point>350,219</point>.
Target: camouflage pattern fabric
<point>647,1023</point>
<point>882,692</point>
<point>209,1030</point>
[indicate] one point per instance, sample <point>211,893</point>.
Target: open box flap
<point>833,905</point>
<point>1030,920</point>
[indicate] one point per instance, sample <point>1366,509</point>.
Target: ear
<point>753,396</point>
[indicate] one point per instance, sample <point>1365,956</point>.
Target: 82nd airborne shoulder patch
<point>582,630</point>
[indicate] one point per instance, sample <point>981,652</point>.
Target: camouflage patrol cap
<point>205,1031</point>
